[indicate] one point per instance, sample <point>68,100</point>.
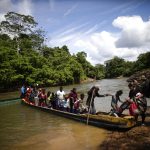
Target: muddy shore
<point>138,138</point>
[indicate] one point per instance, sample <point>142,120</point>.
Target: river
<point>24,128</point>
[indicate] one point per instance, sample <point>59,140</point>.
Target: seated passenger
<point>54,101</point>
<point>42,98</point>
<point>33,94</point>
<point>28,92</point>
<point>48,101</point>
<point>82,108</point>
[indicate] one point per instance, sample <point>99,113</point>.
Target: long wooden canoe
<point>102,119</point>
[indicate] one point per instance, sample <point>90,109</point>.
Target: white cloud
<point>98,46</point>
<point>134,32</point>
<point>133,39</point>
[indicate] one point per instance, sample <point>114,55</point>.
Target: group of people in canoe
<point>59,100</point>
<point>74,103</point>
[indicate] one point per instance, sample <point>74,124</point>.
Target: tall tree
<point>114,67</point>
<point>16,24</point>
<point>81,58</point>
<point>99,71</point>
<point>143,62</point>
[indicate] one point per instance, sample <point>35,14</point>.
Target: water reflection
<point>24,128</point>
<point>72,136</point>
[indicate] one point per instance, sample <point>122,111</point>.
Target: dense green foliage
<point>143,62</point>
<point>24,58</point>
<point>119,67</point>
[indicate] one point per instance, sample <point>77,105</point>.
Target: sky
<point>101,28</point>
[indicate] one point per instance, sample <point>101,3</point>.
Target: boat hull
<point>102,120</point>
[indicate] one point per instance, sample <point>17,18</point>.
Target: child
<point>114,102</point>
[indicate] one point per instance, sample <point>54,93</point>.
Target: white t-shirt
<point>60,94</point>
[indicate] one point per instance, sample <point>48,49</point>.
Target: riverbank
<point>139,74</point>
<point>138,138</point>
<point>88,80</point>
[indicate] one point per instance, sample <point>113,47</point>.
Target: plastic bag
<point>133,109</point>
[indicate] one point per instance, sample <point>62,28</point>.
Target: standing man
<point>73,97</point>
<point>92,93</point>
<point>142,106</point>
<point>23,91</point>
<point>61,97</point>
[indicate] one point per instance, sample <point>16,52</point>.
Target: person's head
<point>43,91</point>
<point>130,85</point>
<point>82,96</point>
<point>48,93</point>
<point>143,78</point>
<point>97,87</point>
<point>61,88</point>
<point>135,82</point>
<point>119,93</point>
<point>53,94</point>
<point>94,88</point>
<point>148,76</point>
<point>74,90</point>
